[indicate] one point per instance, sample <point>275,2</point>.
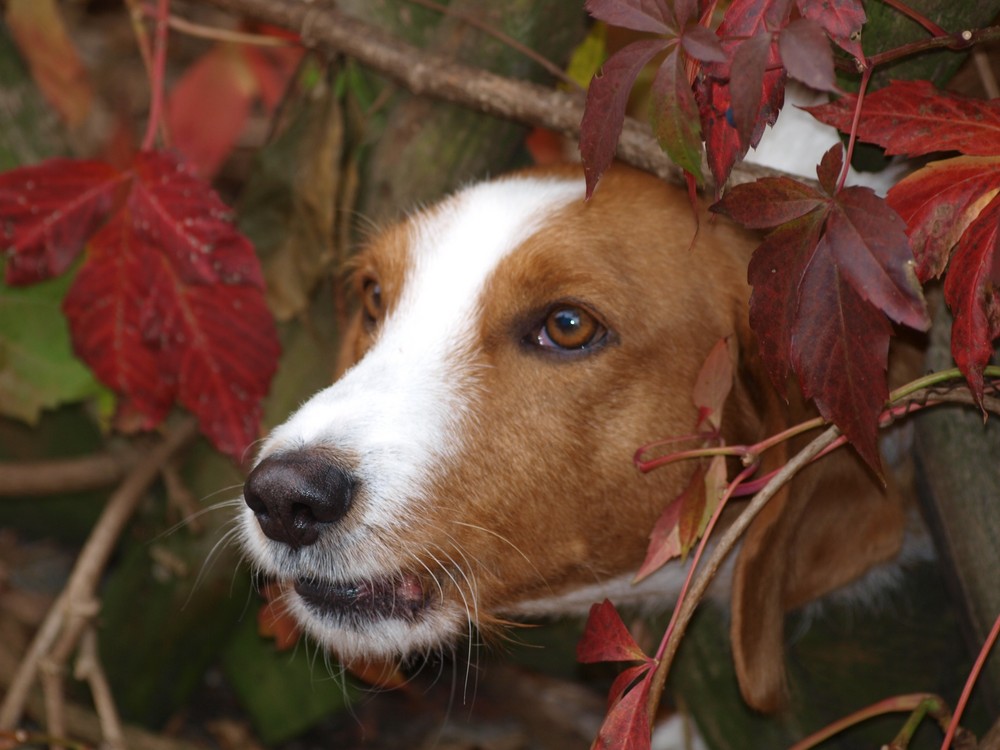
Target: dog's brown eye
<point>371,300</point>
<point>570,328</point>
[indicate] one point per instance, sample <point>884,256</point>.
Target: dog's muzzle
<point>297,497</point>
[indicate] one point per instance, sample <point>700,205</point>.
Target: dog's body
<point>515,347</point>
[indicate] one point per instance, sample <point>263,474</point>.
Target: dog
<point>514,346</point>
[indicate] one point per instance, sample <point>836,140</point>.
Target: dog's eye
<point>569,328</point>
<point>371,301</point>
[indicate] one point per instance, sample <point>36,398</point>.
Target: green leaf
<point>38,369</point>
<point>284,692</point>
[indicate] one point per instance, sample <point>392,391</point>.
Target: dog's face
<point>515,346</point>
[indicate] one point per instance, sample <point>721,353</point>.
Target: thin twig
<point>64,475</point>
<point>427,73</point>
<point>82,585</point>
<point>467,18</point>
<point>88,669</point>
<point>200,31</point>
<point>728,542</point>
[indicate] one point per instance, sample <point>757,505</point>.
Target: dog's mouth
<point>401,597</point>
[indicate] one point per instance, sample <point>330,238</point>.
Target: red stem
<point>984,652</point>
<point>866,75</point>
<point>743,475</point>
<point>157,74</point>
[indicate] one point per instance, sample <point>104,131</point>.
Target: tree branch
<point>69,616</point>
<point>427,73</point>
<point>64,475</point>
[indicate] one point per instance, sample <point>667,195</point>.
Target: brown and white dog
<point>515,346</point>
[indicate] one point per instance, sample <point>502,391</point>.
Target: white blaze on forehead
<point>397,410</point>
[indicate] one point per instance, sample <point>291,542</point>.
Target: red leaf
<point>638,15</point>
<point>604,111</point>
<point>182,215</point>
<point>841,19</point>
<point>938,203</point>
<point>220,342</point>
<point>914,118</point>
<point>275,621</point>
<point>972,291</point>
<point>774,273</point>
<point>769,202</point>
<point>208,106</point>
<point>105,308</point>
<point>702,44</point>
<point>605,638</point>
<point>49,211</point>
<point>626,726</point>
<point>746,83</point>
<point>713,384</point>
<point>821,284</point>
<point>675,115</point>
<point>840,347</point>
<point>743,20</point>
<point>273,67</point>
<point>169,302</point>
<point>806,54</point>
<point>872,252</point>
<point>625,680</point>
<point>665,538</point>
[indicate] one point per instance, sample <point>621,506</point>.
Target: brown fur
<point>545,497</point>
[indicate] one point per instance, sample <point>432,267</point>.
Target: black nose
<point>296,494</point>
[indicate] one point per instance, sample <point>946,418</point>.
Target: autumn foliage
<point>167,305</point>
<point>167,301</point>
<point>840,268</point>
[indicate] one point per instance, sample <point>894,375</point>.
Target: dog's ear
<point>833,522</point>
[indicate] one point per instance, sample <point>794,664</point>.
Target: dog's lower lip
<point>401,597</point>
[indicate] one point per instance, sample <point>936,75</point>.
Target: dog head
<point>515,345</point>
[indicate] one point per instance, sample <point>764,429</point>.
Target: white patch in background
<point>797,141</point>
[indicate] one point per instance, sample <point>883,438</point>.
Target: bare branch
<point>64,475</point>
<point>427,73</point>
<point>70,614</point>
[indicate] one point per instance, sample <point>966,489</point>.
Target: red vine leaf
<point>806,55</point>
<point>605,638</point>
<point>972,291</point>
<point>914,118</point>
<point>49,211</point>
<point>822,285</point>
<point>665,538</point>
<point>604,111</point>
<point>209,105</point>
<point>626,727</point>
<point>948,206</point>
<point>638,15</point>
<point>168,304</point>
<point>674,115</point>
<point>939,202</point>
<point>713,384</point>
<point>757,81</point>
<point>841,20</point>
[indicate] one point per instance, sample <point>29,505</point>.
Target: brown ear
<point>831,524</point>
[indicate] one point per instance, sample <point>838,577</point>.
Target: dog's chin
<point>390,617</point>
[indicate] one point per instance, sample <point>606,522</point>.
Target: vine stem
<point>984,652</point>
<point>66,621</point>
<point>866,75</point>
<point>157,73</point>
